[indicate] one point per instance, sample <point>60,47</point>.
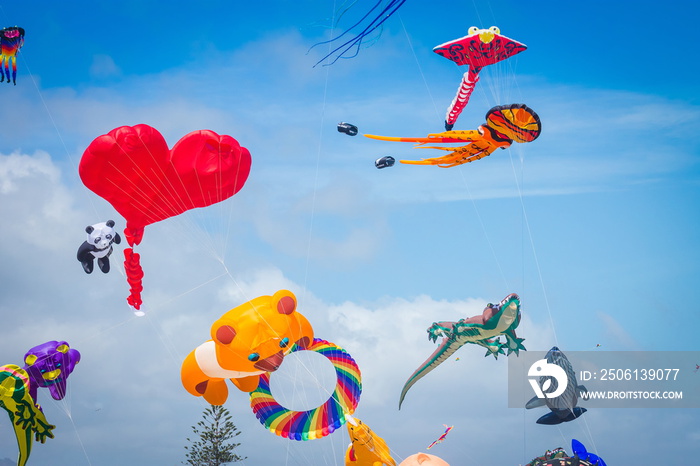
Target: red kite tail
<point>134,275</point>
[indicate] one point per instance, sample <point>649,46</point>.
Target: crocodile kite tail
<point>444,351</point>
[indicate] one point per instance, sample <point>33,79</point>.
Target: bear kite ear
<point>286,301</point>
<point>62,348</point>
<point>110,223</point>
<point>30,359</point>
<point>225,334</point>
<point>89,229</point>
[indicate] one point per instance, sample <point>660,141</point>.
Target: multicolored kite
<point>559,457</point>
<point>442,437</point>
<point>482,47</point>
<point>504,124</point>
<point>11,40</point>
<point>548,455</point>
<point>316,422</point>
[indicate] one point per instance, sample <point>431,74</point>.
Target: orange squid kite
<point>504,124</point>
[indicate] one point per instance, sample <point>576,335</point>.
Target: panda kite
<point>100,238</point>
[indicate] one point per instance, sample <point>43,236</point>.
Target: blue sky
<point>593,224</point>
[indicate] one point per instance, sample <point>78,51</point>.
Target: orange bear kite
<point>247,341</point>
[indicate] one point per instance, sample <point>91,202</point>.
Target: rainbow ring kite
<point>317,422</point>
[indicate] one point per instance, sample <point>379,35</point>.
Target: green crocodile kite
<point>485,330</point>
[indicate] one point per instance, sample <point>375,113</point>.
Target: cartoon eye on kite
<point>284,342</point>
<point>253,357</point>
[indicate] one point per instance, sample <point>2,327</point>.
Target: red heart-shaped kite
<point>133,169</point>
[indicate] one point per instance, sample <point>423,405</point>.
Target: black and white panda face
<point>101,235</point>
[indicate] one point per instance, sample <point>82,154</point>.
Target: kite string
<point>80,440</point>
<point>526,224</point>
<point>484,229</point>
<point>420,68</point>
<point>319,148</point>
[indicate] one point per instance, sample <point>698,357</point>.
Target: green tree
<point>213,447</point>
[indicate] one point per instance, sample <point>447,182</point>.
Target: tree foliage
<point>213,447</point>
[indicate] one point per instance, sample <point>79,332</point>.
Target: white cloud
<point>36,207</point>
<point>16,167</point>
